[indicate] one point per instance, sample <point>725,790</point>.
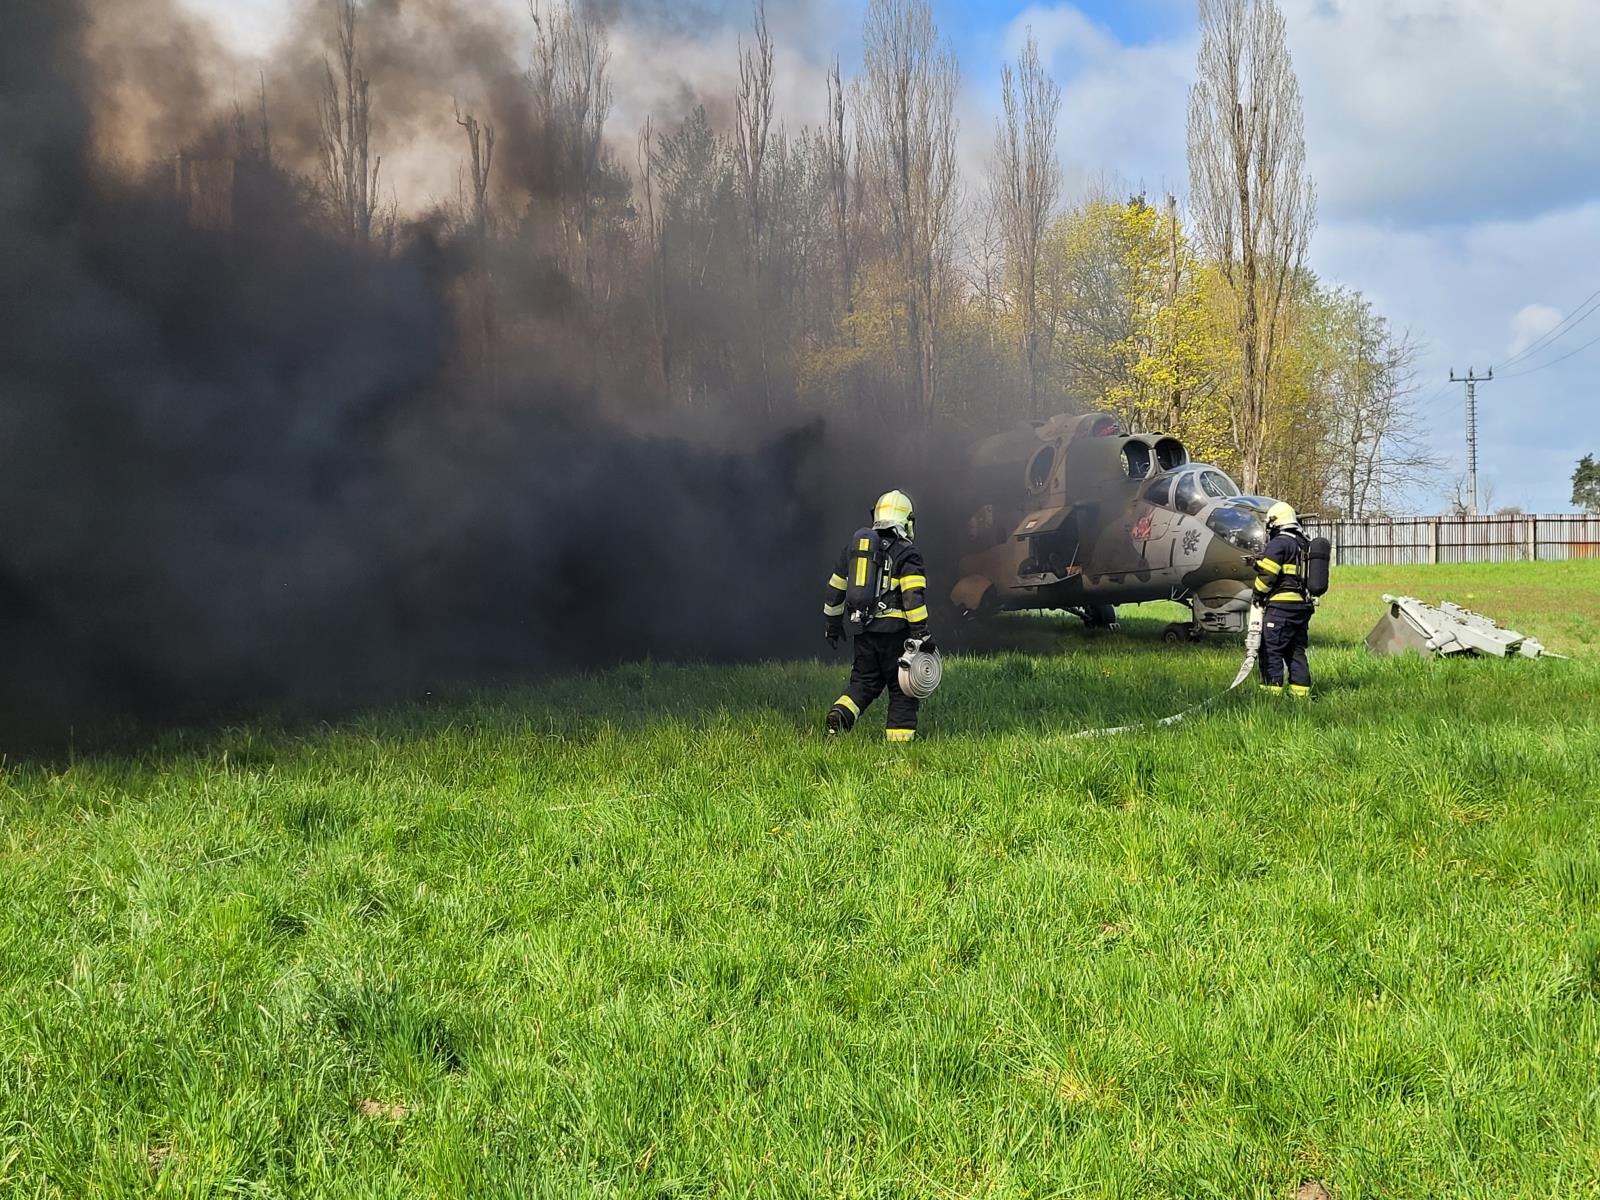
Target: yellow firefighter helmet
<point>1282,516</point>
<point>894,511</point>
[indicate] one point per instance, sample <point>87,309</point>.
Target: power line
<point>1554,361</point>
<point>1437,396</point>
<point>1557,331</point>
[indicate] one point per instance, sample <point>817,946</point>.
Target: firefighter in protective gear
<point>1281,588</point>
<point>877,595</point>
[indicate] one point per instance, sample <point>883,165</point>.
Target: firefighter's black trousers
<point>1285,630</point>
<point>877,666</point>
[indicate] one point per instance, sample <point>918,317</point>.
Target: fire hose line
<point>1252,649</point>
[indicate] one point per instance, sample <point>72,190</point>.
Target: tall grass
<point>644,933</point>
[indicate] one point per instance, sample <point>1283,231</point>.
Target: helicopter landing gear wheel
<point>1181,633</point>
<point>1098,616</point>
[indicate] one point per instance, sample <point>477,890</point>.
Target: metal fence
<point>1410,540</point>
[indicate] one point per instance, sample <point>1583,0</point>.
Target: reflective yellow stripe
<point>913,581</point>
<point>1286,596</point>
<point>889,614</point>
<point>865,544</point>
<point>846,702</point>
<point>900,735</point>
<point>1269,565</point>
<point>1299,689</point>
<point>861,568</point>
<point>1272,687</point>
<point>1290,569</point>
<point>917,614</point>
<point>833,610</point>
<point>1263,585</point>
<point>837,581</point>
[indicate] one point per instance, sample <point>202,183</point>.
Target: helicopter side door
<point>1155,523</point>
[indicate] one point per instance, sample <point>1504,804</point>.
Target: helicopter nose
<point>1241,522</point>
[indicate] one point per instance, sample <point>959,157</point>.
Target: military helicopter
<point>1075,513</point>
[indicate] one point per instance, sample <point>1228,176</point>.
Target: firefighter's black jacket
<point>1280,571</point>
<point>901,606</point>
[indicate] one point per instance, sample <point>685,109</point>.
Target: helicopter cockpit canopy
<point>1190,489</point>
<point>1240,525</point>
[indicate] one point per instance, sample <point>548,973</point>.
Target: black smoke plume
<point>244,468</point>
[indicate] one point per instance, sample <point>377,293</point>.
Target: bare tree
<point>697,198</point>
<point>752,128</point>
<point>906,134</point>
<point>1254,203</point>
<point>572,97</point>
<point>845,192</point>
<point>265,124</point>
<point>1458,498</point>
<point>656,248</point>
<point>1376,443</point>
<point>986,262</point>
<point>349,173</point>
<point>252,134</point>
<point>1170,336</point>
<point>1024,183</point>
<point>480,166</point>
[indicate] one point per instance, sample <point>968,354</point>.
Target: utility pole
<point>1472,379</point>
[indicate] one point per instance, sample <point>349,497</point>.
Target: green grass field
<point>644,933</point>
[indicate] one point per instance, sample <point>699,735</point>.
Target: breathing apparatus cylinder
<point>866,577</point>
<point>1319,556</point>
<point>921,671</point>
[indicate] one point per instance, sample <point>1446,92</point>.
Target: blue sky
<point>1129,20</point>
<point>1455,144</point>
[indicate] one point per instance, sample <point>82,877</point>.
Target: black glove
<point>835,635</point>
<point>925,643</point>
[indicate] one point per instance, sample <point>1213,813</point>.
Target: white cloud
<point>1430,111</point>
<point>1418,112</point>
<point>1123,107</point>
<point>1531,323</point>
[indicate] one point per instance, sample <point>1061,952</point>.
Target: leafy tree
<point>1586,484</point>
<point>1131,318</point>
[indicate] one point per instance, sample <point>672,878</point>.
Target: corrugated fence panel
<point>1406,541</point>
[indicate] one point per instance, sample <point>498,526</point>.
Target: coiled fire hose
<point>920,670</point>
<point>1252,650</point>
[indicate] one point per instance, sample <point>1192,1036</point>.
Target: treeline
<point>725,267</point>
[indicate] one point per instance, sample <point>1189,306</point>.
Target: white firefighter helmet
<point>921,671</point>
<point>1282,516</point>
<point>894,511</point>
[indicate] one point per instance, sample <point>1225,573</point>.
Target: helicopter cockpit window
<point>1039,467</point>
<point>1189,497</point>
<point>1217,485</point>
<point>1136,460</point>
<point>1160,492</point>
<point>1240,527</point>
